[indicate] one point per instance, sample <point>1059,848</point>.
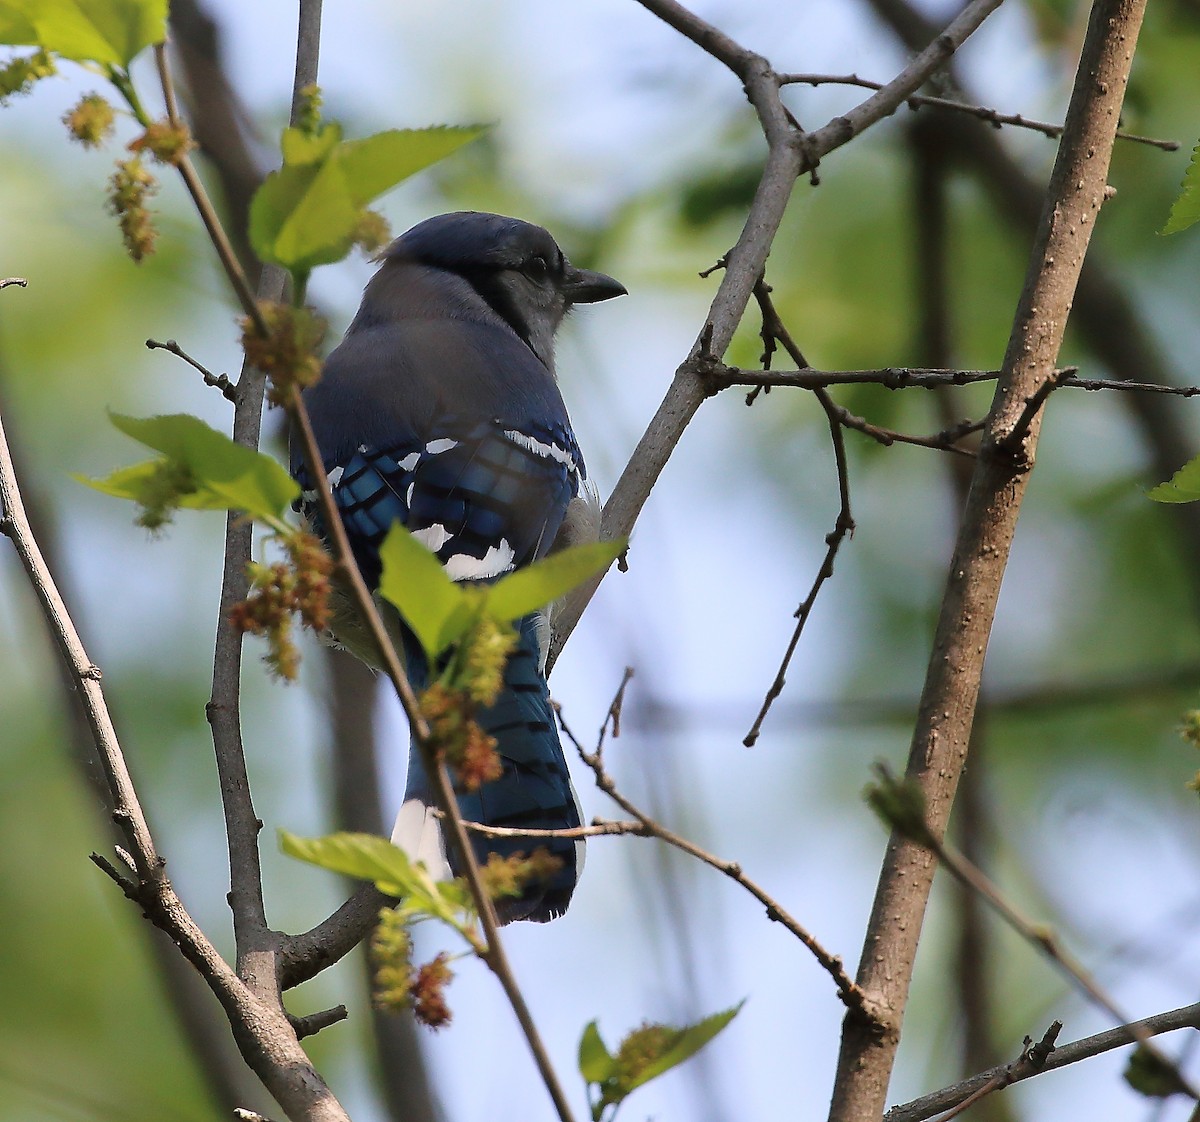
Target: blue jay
<point>440,409</point>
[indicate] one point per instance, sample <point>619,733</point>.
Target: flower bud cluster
<point>298,586</point>
<point>287,354</point>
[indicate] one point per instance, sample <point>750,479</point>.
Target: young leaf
<point>375,164</point>
<point>302,147</point>
<point>1186,209</point>
<point>595,1063</point>
<point>673,1047</point>
<point>1149,1075</point>
<point>644,1054</point>
<point>544,581</point>
<point>1183,486</point>
<point>104,31</point>
<point>219,473</point>
<point>303,216</point>
<point>413,581</point>
<point>375,859</point>
<point>306,213</point>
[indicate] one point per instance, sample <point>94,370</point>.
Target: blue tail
<point>534,791</point>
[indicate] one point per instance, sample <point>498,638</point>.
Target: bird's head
<point>515,267</point>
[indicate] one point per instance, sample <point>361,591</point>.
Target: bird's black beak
<point>583,286</point>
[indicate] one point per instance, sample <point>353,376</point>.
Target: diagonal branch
<point>982,112</point>
<point>645,826</point>
<point>267,1040</point>
<point>947,709</point>
<point>493,952</point>
<point>927,1106</point>
<point>773,329</point>
<point>790,153</point>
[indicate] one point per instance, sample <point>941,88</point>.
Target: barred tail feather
<point>534,791</point>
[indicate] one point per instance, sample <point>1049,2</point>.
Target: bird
<point>440,409</point>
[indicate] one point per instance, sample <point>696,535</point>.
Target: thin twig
<point>20,282</point>
<point>773,329</point>
<point>944,441</point>
<point>992,116</point>
<point>1044,939</point>
<point>645,826</point>
<point>597,828</point>
<point>719,377</point>
<point>1032,1059</point>
<point>790,153</point>
<point>927,1106</point>
<point>204,207</point>
<point>221,382</point>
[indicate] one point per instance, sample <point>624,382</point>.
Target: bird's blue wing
<point>478,460</point>
<point>485,497</point>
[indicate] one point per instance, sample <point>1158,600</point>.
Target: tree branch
<point>721,377</point>
<point>947,709</point>
<point>493,953</point>
<point>266,1040</point>
<point>1063,1056</point>
<point>982,112</point>
<point>646,826</point>
<point>773,329</point>
<point>790,153</point>
<point>1104,316</point>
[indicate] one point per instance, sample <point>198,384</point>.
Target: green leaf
<point>306,213</point>
<point>16,24</point>
<point>595,1063</point>
<point>303,216</point>
<point>373,858</point>
<point>219,474</point>
<point>301,147</point>
<point>1147,1074</point>
<point>1183,486</point>
<point>375,164</point>
<point>679,1045</point>
<point>543,582</point>
<point>105,31</point>
<point>133,482</point>
<point>413,581</point>
<point>1186,209</point>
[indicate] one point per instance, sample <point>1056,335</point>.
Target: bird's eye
<point>537,269</point>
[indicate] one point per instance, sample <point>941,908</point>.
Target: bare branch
<point>992,116</point>
<point>1046,941</point>
<point>304,956</point>
<point>204,207</point>
<point>1105,316</point>
<point>127,810</point>
<point>773,329</point>
<point>1064,1055</point>
<point>268,1043</point>
<point>20,282</point>
<point>947,710</point>
<point>721,377</point>
<point>221,382</point>
<point>1032,1059</point>
<point>790,153</point>
<point>315,1022</point>
<point>645,826</point>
